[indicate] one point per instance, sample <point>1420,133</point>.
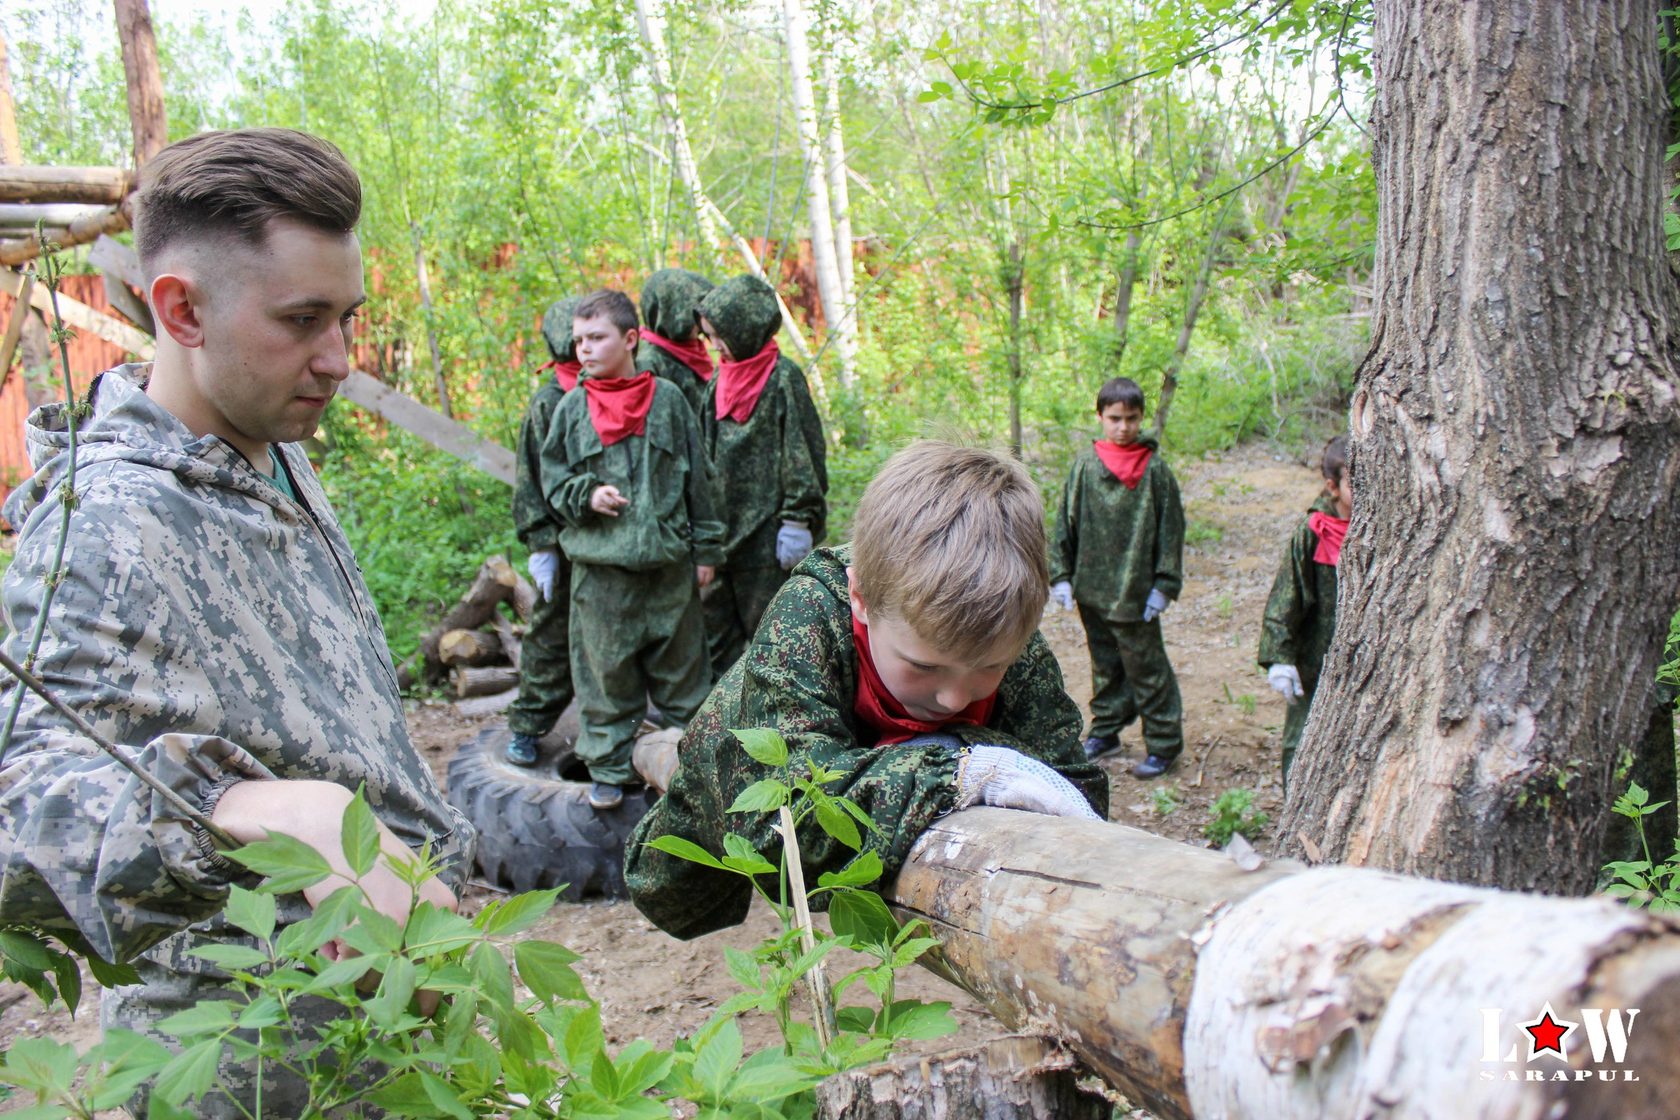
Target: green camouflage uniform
<point>545,664</point>
<point>636,629</point>
<point>669,300</point>
<point>219,631</point>
<point>771,469</point>
<point>799,676</point>
<point>1300,620</point>
<point>1115,545</point>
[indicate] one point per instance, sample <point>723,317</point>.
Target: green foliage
<point>1165,800</point>
<point>1643,882</point>
<point>1233,812</point>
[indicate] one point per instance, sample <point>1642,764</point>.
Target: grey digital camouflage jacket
<point>218,630</point>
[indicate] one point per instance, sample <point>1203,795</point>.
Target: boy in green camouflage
<point>1119,553</point>
<point>908,660</point>
<point>1301,612</point>
<point>766,444</point>
<point>545,664</point>
<point>624,469</point>
<point>670,345</point>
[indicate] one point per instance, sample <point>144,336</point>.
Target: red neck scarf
<point>882,713</point>
<point>618,406</point>
<point>740,383</point>
<point>1331,532</point>
<point>566,373</point>
<point>1125,463</point>
<point>692,353</point>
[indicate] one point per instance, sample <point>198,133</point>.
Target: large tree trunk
<point>1514,556</point>
<point>146,118</point>
<point>839,191</point>
<point>650,17</point>
<point>11,150</point>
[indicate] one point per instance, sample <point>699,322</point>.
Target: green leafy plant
<point>1233,812</point>
<point>1165,800</point>
<point>1643,882</point>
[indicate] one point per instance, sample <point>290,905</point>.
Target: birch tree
<point>650,17</point>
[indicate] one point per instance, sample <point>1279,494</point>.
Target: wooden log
<point>483,682</point>
<point>470,647</point>
<point>1017,1077</point>
<point>35,183</point>
<point>524,598</point>
<point>512,645</point>
<point>14,324</point>
<point>493,584</point>
<point>480,706</point>
<point>19,250</point>
<point>81,316</point>
<point>1196,988</point>
<point>144,79</point>
<point>18,216</point>
<point>438,430</point>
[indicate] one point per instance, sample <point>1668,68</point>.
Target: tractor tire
<point>536,828</point>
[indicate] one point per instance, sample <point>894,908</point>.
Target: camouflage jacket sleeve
<point>533,521</point>
<point>1169,532</point>
<point>804,456</point>
<point>1290,603</point>
<point>567,483</point>
<point>800,680</point>
<point>1064,539</point>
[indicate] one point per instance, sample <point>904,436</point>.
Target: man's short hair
<point>1335,461</point>
<point>618,308</point>
<point>950,539</point>
<point>234,183</point>
<point>1120,390</point>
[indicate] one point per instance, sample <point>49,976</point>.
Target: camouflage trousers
<point>734,604</point>
<point>1132,678</point>
<point>1294,722</point>
<point>635,637</point>
<point>545,662</point>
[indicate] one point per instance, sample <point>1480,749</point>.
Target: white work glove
<point>793,544</point>
<point>1062,595</point>
<point>1287,680</point>
<point>1009,779</point>
<point>544,565</point>
<point>1156,604</point>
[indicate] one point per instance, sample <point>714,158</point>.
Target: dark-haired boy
<point>766,444</point>
<point>670,345</point>
<point>211,620</point>
<point>1118,552</point>
<point>545,663</point>
<point>624,469</point>
<point>1301,611</point>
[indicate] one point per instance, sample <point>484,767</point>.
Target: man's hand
<point>1062,595</point>
<point>793,544</point>
<point>544,565</point>
<point>1156,604</point>
<point>607,501</point>
<point>1010,780</point>
<point>1287,680</point>
<point>703,574</point>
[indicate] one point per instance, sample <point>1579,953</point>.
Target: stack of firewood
<point>475,648</point>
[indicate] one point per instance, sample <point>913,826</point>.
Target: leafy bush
<point>1643,882</point>
<point>1233,812</point>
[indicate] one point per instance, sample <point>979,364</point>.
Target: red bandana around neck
<point>1331,532</point>
<point>880,710</point>
<point>566,373</point>
<point>740,383</point>
<point>618,406</point>
<point>692,353</point>
<point>1125,463</point>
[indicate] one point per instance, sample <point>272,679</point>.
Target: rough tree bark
<point>145,80</point>
<point>1513,560</point>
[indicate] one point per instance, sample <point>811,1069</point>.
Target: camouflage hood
<point>126,425</point>
<point>557,329</point>
<point>669,300</point>
<point>744,313</point>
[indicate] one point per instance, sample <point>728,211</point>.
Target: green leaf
<point>288,864</point>
<point>603,1077</point>
<point>405,1096</point>
<point>742,967</point>
<point>233,958</point>
<point>764,745</point>
<point>69,980</point>
<point>251,911</point>
<point>743,857</point>
<point>685,849</point>
<point>110,975</point>
<point>928,95</point>
<point>715,1064</point>
<point>359,833</point>
<point>190,1073</point>
<point>916,1020</point>
<point>26,949</point>
<point>546,969</point>
<point>374,933</point>
<point>264,1011</point>
<point>763,796</point>
<point>838,825</point>
<point>205,1017</point>
<point>433,930</point>
<point>442,1097</point>
<point>518,913</point>
<point>863,870</point>
<point>862,916</point>
<point>40,1065</point>
<point>859,1020</point>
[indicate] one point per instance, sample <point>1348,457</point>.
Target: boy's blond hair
<point>950,539</point>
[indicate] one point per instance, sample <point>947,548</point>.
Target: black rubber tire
<point>536,828</point>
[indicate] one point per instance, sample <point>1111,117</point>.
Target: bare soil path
<point>1241,508</point>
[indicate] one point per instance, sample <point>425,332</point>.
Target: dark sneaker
<point>604,796</point>
<point>1152,767</point>
<point>522,750</point>
<point>1098,745</point>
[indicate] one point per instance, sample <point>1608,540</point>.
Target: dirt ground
<point>1240,508</point>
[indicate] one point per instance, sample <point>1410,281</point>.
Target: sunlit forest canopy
<point>1042,196</point>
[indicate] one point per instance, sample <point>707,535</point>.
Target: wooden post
<point>11,149</point>
<point>14,325</point>
<point>145,81</point>
<point>97,186</point>
<point>1199,989</point>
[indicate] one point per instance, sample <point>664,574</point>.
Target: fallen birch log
<point>486,681</point>
<point>1199,989</point>
<point>1018,1077</point>
<point>470,647</point>
<point>35,183</point>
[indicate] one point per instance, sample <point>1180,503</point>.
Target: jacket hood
<point>557,329</point>
<point>127,425</point>
<point>744,314</point>
<point>669,300</point>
